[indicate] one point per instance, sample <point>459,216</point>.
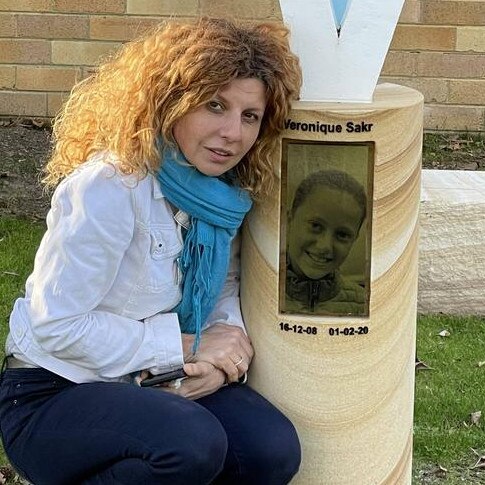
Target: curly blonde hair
<point>152,82</point>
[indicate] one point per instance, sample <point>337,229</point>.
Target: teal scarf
<point>216,209</point>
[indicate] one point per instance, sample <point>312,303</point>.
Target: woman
<point>158,156</point>
<point>326,216</point>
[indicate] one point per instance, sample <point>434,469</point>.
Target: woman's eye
<point>251,117</point>
<point>215,106</point>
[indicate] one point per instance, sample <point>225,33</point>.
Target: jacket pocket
<point>160,268</point>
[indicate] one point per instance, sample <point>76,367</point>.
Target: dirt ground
<point>24,148</point>
<point>23,151</point>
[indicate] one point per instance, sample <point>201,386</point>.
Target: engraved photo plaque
<point>325,228</point>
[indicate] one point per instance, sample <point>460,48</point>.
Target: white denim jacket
<point>98,303</point>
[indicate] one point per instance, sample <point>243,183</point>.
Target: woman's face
<point>215,137</point>
<point>321,232</point>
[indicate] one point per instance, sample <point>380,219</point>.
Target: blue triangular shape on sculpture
<point>339,8</point>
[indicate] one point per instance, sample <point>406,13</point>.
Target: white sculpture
<point>342,45</point>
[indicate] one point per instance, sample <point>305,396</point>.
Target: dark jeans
<point>58,432</point>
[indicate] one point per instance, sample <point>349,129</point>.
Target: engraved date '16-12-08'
<point>332,331</point>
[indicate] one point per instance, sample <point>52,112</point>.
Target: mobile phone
<point>161,378</point>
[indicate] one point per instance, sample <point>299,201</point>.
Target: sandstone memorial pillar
<point>329,261</point>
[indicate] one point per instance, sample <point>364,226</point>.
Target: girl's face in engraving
<point>321,232</point>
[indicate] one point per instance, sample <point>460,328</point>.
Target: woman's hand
<point>226,347</point>
<point>202,379</point>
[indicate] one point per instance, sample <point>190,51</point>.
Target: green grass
<point>19,240</point>
<point>445,395</point>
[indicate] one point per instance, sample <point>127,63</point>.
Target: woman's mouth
<point>219,155</point>
<point>221,152</point>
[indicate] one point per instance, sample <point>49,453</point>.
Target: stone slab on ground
<point>452,243</point>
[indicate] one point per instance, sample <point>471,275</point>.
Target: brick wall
<point>439,49</point>
<point>48,45</point>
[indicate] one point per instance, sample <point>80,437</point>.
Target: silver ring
<point>239,362</point>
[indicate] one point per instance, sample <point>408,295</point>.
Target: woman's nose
<point>231,128</point>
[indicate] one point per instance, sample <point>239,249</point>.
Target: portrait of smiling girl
<point>156,161</point>
<point>326,216</point>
